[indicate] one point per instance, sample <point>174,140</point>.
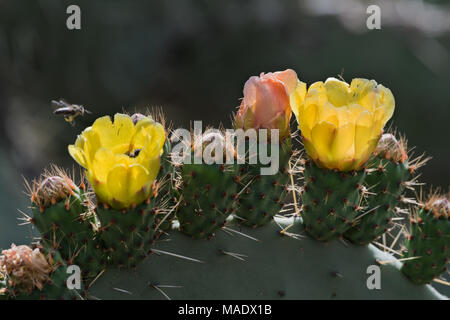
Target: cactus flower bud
<point>53,186</point>
<point>391,148</point>
<point>439,205</point>
<point>267,102</point>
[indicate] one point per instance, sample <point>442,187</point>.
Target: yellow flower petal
<point>360,87</point>
<point>308,119</point>
<point>317,93</point>
<point>354,111</point>
<point>104,160</point>
<point>343,115</point>
<point>337,92</point>
<point>342,148</point>
<point>117,134</point>
<point>78,155</point>
<point>363,133</point>
<point>101,189</point>
<point>309,147</point>
<point>328,113</point>
<point>141,131</point>
<point>128,185</point>
<point>118,185</point>
<point>297,98</point>
<point>91,145</point>
<point>154,142</point>
<point>322,137</point>
<point>388,101</point>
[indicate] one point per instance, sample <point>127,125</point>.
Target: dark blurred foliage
<point>192,58</point>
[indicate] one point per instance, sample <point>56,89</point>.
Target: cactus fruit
<point>208,192</point>
<point>61,214</point>
<point>385,183</point>
<point>34,274</point>
<point>264,195</point>
<point>261,263</point>
<point>331,200</point>
<point>428,243</point>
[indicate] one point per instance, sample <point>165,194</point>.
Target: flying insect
<point>69,111</point>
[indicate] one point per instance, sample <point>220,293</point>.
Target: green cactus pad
<point>385,184</point>
<point>264,195</point>
<point>331,201</point>
<point>69,227</point>
<point>429,240</point>
<point>263,264</point>
<point>127,235</point>
<point>209,195</point>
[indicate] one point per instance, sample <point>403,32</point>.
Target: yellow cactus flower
<point>121,158</point>
<point>341,123</point>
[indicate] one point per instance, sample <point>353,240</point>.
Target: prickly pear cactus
<point>33,274</point>
<point>139,188</point>
<point>264,195</point>
<point>208,192</point>
<point>331,200</point>
<point>428,244</point>
<point>260,263</point>
<point>61,214</point>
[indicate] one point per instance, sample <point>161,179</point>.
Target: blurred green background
<point>192,58</point>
